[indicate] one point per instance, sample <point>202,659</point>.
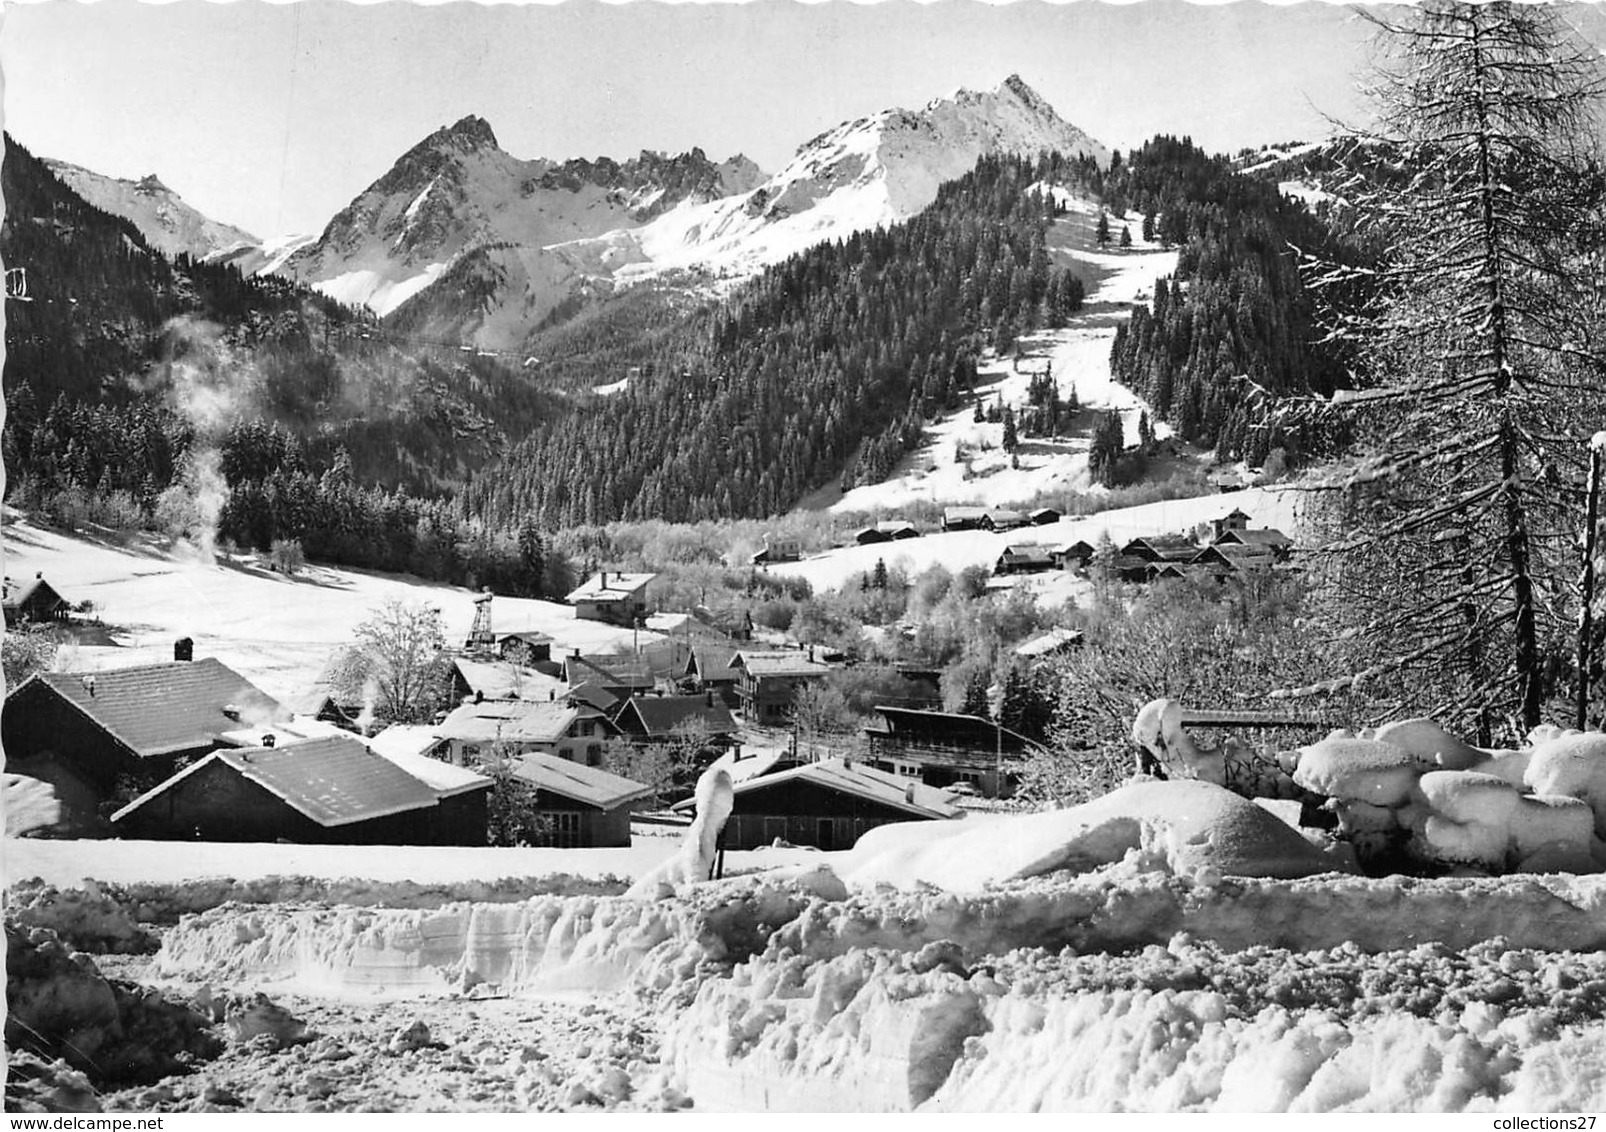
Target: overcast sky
<point>273,117</point>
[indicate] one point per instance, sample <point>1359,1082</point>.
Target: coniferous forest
<point>823,370</point>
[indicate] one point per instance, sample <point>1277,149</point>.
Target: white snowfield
<point>277,632</point>
<point>1269,507</point>
<point>1129,973</point>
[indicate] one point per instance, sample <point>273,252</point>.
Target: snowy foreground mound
<point>1167,947</point>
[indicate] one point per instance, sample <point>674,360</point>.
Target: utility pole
<point>1586,614</point>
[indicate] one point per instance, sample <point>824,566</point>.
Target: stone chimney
<point>184,649</point>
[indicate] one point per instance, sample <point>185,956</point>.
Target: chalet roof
<point>950,729</point>
<point>895,526</point>
<point>333,781</point>
<point>610,586</point>
<point>513,721</point>
<point>1000,516</point>
<point>1043,512</point>
<point>593,695</point>
<point>1073,547</point>
<point>860,781</point>
<point>504,680</point>
<point>1050,642</point>
<point>1170,548</point>
<point>161,709</point>
<point>446,779</point>
<point>1235,513</point>
<point>587,784</point>
<point>778,664</point>
<point>1235,555</point>
<point>405,739</point>
<point>660,715</point>
<point>607,671</point>
<point>15,595</point>
<point>1028,552</point>
<point>1264,536</point>
<point>714,662</point>
<point>528,636</point>
<point>963,514</point>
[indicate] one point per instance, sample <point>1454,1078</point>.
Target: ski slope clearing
<point>963,461</point>
<point>276,631</point>
<point>954,550</point>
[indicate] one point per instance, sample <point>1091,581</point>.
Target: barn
<point>82,732</point>
<point>33,600</point>
<point>828,804</point>
<point>588,808</point>
<point>332,790</point>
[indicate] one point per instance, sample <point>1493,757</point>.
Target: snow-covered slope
<point>276,631</point>
<point>168,223</point>
<point>963,460</point>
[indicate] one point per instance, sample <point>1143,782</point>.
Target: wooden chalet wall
<point>804,813</point>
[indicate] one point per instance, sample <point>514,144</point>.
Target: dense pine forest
<point>828,365</point>
<point>1236,318</point>
<point>337,430</point>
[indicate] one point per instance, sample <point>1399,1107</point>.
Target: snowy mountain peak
<point>1017,86</point>
<point>468,132</point>
<point>168,223</point>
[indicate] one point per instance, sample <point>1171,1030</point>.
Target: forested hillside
<point>1236,308</point>
<point>826,366</point>
<point>98,358</point>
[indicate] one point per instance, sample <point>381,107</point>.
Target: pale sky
<point>274,116</point>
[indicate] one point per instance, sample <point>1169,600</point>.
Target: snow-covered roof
<point>1050,642</point>
<point>587,784</point>
<point>864,782</point>
<point>610,586</point>
<point>511,721</point>
<point>778,664</point>
<point>333,781</point>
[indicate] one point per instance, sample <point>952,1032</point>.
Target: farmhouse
<point>500,680</point>
<point>1073,555</point>
<point>888,530</point>
<point>587,808</point>
<point>710,667</point>
<point>1043,516</point>
<point>82,731</point>
<point>1162,548</point>
<point>943,748</point>
<point>620,676</point>
<point>477,732</point>
<point>768,683</point>
<point>828,804</point>
<point>1024,558</point>
<point>778,550</point>
<point>1234,520</point>
<point>619,599</point>
<point>963,518</point>
<point>526,647</point>
<point>317,791</point>
<point>32,601</point>
<point>1269,539</point>
<point>1225,559</point>
<point>1003,520</point>
<point>662,719</point>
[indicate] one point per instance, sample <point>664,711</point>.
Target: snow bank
<point>1190,826</point>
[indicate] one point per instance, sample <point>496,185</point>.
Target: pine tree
<point>879,579</point>
<point>1103,234</point>
<point>1011,436</point>
<point>1126,236</point>
<point>976,695</point>
<point>1108,443</point>
<point>1480,379</point>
